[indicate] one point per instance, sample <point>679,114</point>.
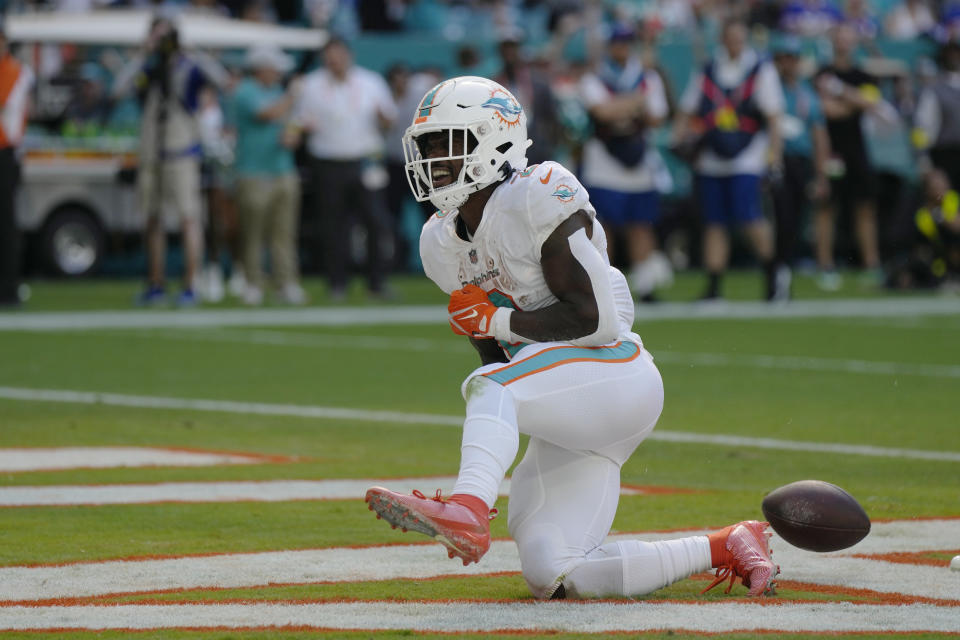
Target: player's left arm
<point>577,275</point>
<point>576,314</point>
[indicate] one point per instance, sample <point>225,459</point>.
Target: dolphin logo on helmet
<point>505,106</point>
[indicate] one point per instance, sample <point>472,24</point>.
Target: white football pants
<point>586,410</point>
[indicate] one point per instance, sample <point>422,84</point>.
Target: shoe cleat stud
<point>379,516</point>
<point>393,526</point>
<point>404,529</point>
<point>450,554</point>
<point>465,562</point>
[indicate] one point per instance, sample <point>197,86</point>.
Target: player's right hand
<point>471,312</point>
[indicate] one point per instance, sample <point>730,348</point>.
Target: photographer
<point>168,85</point>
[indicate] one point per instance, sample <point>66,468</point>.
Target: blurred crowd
<point>761,153</point>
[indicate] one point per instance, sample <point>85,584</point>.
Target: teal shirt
<point>803,105</point>
<point>259,150</point>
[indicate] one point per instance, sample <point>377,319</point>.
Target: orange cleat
<point>460,522</point>
<point>743,550</point>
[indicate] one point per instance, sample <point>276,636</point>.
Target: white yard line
<point>45,459</point>
<point>225,406</point>
<point>802,445</point>
<point>806,363</point>
<point>415,561</point>
<point>139,319</point>
<point>429,314</point>
<point>312,340</point>
<point>264,491</point>
<point>428,345</point>
<point>397,417</point>
<point>493,617</point>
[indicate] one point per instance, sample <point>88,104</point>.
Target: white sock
<point>634,568</point>
<point>490,440</point>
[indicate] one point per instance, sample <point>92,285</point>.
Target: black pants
<point>790,202</point>
<point>340,195</point>
<point>9,234</point>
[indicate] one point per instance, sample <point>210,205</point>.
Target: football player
<point>520,253</point>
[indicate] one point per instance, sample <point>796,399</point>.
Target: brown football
<point>816,516</point>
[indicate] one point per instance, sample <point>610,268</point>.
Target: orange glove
<point>471,312</point>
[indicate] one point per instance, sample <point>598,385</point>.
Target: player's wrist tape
<point>500,325</point>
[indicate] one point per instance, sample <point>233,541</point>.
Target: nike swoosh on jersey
<point>545,179</point>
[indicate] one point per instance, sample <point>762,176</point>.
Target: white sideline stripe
<point>266,491</point>
<point>416,561</point>
<point>42,459</point>
<point>140,319</point>
<point>307,411</point>
<point>420,345</point>
<point>583,617</point>
<point>804,363</point>
<point>430,314</point>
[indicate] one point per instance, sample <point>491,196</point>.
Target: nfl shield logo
<point>473,256</point>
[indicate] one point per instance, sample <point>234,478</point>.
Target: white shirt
<point>342,117</point>
<point>600,169</point>
<point>927,117</point>
<point>503,258</point>
<point>768,96</point>
<point>417,86</point>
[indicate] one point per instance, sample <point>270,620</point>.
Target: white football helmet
<point>486,129</point>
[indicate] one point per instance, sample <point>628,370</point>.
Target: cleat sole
<point>399,515</point>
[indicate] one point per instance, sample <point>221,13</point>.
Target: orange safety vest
<point>9,75</point>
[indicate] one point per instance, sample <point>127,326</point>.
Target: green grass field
<point>786,378</point>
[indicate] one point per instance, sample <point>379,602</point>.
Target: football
<point>816,516</point>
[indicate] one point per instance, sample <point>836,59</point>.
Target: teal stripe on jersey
<point>554,356</point>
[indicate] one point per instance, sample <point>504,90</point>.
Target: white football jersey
<point>503,258</point>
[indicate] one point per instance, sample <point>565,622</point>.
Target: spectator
<point>407,89</point>
<point>88,108</point>
<point>810,18</point>
<point>909,20</point>
<point>469,61</point>
<point>678,15</point>
<point>268,185</point>
<point>860,17</point>
<point>847,93</point>
<point>937,117</point>
<point>733,109</point>
<point>948,28</point>
<point>806,150</point>
<point>344,109</point>
<point>620,164</point>
<point>382,15</point>
<point>533,91</point>
<point>168,83</point>
<point>15,82</point>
